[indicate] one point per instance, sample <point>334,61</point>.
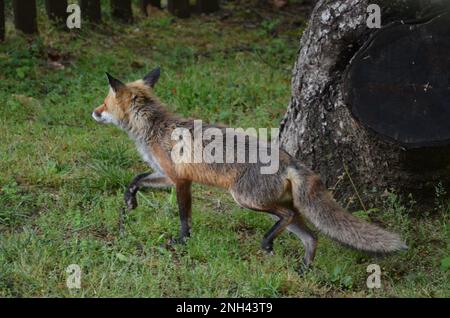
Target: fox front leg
<point>184,200</point>
<point>144,180</point>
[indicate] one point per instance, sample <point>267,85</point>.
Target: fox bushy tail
<point>315,203</point>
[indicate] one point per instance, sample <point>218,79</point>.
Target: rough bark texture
<point>121,10</point>
<point>319,128</point>
<point>91,10</point>
<point>2,20</point>
<point>25,16</point>
<point>56,9</point>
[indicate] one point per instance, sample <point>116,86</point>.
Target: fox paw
<point>267,246</point>
<point>130,200</point>
<point>304,269</point>
<point>268,249</point>
<point>177,241</point>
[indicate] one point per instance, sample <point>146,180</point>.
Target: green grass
<point>62,176</point>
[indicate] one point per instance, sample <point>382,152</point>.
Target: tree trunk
<point>179,8</point>
<point>25,16</point>
<point>320,127</point>
<point>121,10</point>
<point>146,4</point>
<point>56,10</point>
<point>2,20</point>
<point>207,6</point>
<point>91,10</point>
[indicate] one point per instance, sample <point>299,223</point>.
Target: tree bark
<point>144,4</point>
<point>25,16</point>
<point>56,10</point>
<point>2,20</point>
<point>179,8</point>
<point>121,10</point>
<point>319,127</point>
<point>91,10</point>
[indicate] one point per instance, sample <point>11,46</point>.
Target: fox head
<point>123,100</point>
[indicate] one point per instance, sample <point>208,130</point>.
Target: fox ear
<point>115,84</point>
<point>152,78</point>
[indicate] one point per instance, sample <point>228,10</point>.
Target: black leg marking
<point>286,216</point>
<point>184,199</point>
<point>133,188</point>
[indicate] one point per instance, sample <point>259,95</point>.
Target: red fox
<point>290,194</point>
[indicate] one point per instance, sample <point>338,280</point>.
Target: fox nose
<point>97,116</point>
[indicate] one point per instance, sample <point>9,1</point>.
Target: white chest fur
<point>148,157</point>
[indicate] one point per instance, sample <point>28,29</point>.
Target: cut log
<point>207,6</point>
<point>121,10</point>
<point>56,10</point>
<point>91,10</point>
<point>398,85</point>
<point>381,121</point>
<point>2,20</point>
<point>25,16</point>
<point>146,4</point>
<point>179,8</point>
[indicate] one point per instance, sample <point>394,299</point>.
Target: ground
<point>63,175</point>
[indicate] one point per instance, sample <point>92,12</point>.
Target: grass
<point>62,176</point>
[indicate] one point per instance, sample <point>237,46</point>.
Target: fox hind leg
<point>285,218</point>
<point>260,197</point>
<point>309,240</point>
